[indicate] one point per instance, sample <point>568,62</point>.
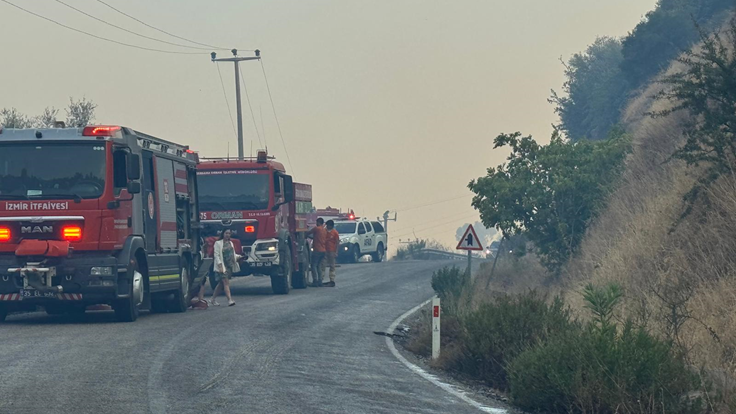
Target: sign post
<point>471,243</point>
<point>435,328</point>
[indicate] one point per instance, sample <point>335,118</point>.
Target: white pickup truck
<point>359,238</point>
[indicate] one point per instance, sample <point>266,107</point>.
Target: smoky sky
<point>383,105</point>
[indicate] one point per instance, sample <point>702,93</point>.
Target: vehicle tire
<point>3,313</point>
<point>126,310</point>
<point>300,279</point>
<point>180,303</point>
<point>379,254</point>
<point>355,254</point>
<point>281,280</point>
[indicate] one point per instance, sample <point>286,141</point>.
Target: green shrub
<point>449,283</point>
<point>408,251</point>
<point>598,369</point>
<point>496,333</point>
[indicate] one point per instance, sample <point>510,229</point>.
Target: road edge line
<point>462,395</point>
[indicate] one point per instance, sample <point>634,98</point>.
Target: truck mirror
<point>134,187</point>
<point>288,189</point>
<point>134,167</point>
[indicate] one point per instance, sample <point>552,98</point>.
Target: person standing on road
<point>332,242</point>
<point>318,235</point>
<point>226,263</point>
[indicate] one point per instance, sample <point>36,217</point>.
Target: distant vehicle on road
<point>359,238</point>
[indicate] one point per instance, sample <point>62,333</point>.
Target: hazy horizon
<point>383,105</point>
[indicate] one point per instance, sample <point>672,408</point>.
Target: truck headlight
<point>101,271</point>
<point>267,247</point>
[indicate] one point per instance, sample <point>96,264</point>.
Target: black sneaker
<point>330,284</point>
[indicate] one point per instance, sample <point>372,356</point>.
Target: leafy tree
<point>47,119</point>
<point>666,32</point>
<point>706,89</point>
<point>595,91</point>
<point>11,118</point>
<point>549,193</point>
<point>80,113</point>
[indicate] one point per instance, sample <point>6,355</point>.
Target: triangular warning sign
<point>470,240</point>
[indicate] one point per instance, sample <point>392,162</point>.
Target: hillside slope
<point>680,280</point>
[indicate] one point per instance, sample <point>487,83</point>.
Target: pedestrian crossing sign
<point>470,240</point>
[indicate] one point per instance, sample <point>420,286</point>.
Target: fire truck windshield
<point>231,191</point>
<point>47,171</point>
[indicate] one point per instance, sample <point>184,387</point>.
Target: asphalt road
<point>312,351</point>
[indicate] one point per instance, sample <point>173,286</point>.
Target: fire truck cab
<point>97,215</point>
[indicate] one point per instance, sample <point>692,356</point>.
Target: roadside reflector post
<point>435,328</point>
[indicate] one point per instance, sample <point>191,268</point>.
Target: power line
<point>434,234</point>
<point>226,101</point>
<point>408,230</point>
<point>160,30</point>
<point>247,97</point>
<point>455,220</point>
<point>126,30</point>
<point>99,37</point>
<point>433,203</point>
<point>424,235</point>
<point>263,68</point>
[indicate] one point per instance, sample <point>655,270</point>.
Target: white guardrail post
<point>435,328</point>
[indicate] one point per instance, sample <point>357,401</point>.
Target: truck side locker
<point>150,209</point>
<point>165,265</point>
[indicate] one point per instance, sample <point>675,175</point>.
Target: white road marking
<point>429,377</point>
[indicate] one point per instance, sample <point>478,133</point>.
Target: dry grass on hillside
<point>680,281</point>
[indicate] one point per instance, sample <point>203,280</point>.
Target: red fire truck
<point>266,213</point>
<point>97,215</point>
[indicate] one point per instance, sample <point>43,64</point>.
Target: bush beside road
<point>533,348</point>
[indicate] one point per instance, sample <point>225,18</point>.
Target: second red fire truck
<point>266,212</point>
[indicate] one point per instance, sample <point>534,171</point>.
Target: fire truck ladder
<point>157,144</point>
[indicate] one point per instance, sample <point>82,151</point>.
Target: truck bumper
<point>258,259</point>
<point>64,280</point>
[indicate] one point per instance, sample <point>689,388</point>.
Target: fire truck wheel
<point>180,303</point>
<point>379,254</point>
<point>3,313</point>
<point>355,258</point>
<point>281,280</point>
<point>300,279</point>
<point>126,310</point>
